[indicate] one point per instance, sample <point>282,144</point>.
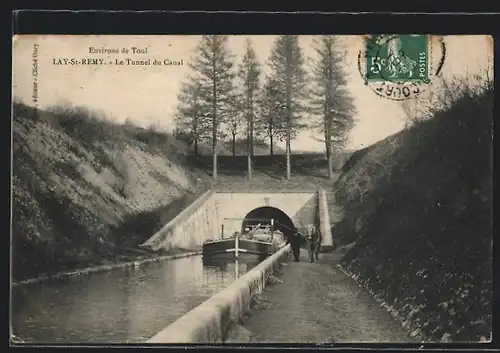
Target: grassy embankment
<point>418,206</point>
<point>87,191</point>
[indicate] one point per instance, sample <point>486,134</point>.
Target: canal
<point>120,306</point>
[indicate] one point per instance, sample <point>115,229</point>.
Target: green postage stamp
<point>398,66</point>
<point>403,58</point>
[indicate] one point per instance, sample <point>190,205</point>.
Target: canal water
<point>120,306</point>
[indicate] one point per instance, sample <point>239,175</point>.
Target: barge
<point>261,241</point>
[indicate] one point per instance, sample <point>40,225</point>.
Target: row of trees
<point>221,100</point>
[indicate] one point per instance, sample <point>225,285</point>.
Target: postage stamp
<point>399,67</point>
<point>161,182</point>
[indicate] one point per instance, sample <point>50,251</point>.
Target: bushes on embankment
<point>84,188</point>
<point>419,207</point>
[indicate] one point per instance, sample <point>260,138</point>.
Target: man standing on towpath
<point>294,240</point>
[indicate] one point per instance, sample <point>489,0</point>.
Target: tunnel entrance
<point>263,215</point>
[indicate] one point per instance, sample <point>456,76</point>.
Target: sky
<point>148,94</point>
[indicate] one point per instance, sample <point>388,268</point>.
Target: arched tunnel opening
<point>263,215</point>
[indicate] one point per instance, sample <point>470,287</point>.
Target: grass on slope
<point>419,207</point>
<point>309,172</point>
<point>84,188</point>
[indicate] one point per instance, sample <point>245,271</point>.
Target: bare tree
<point>190,118</point>
<point>287,67</point>
<point>330,100</point>
<point>213,70</point>
<point>235,119</point>
<point>269,122</point>
<point>249,74</point>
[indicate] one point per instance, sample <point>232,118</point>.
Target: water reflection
<point>125,305</point>
<point>227,266</point>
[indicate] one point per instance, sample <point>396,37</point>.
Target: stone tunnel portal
<point>263,215</point>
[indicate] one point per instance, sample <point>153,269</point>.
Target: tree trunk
<point>251,129</point>
<point>214,139</point>
<point>234,143</point>
<point>249,147</point>
<point>249,167</point>
<point>325,126</point>
<point>288,152</point>
<point>195,132</point>
<point>271,138</point>
<point>288,135</point>
<point>288,85</point>
<point>328,117</point>
<point>214,149</point>
<point>214,121</point>
<point>328,142</point>
<point>330,162</point>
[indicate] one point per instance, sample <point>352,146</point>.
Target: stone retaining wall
<point>210,321</point>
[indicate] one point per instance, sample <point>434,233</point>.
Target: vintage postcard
<point>223,189</point>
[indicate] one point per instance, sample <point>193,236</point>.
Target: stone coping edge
<point>209,321</point>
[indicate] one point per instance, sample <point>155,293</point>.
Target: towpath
<point>318,303</point>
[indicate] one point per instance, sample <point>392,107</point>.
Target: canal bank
<point>178,240</point>
<point>138,261</point>
<point>317,303</point>
<point>126,305</point>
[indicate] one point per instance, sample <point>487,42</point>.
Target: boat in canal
<point>261,240</point>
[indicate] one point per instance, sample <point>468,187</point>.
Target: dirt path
<point>318,303</point>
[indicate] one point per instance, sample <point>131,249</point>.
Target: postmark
<point>400,67</point>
